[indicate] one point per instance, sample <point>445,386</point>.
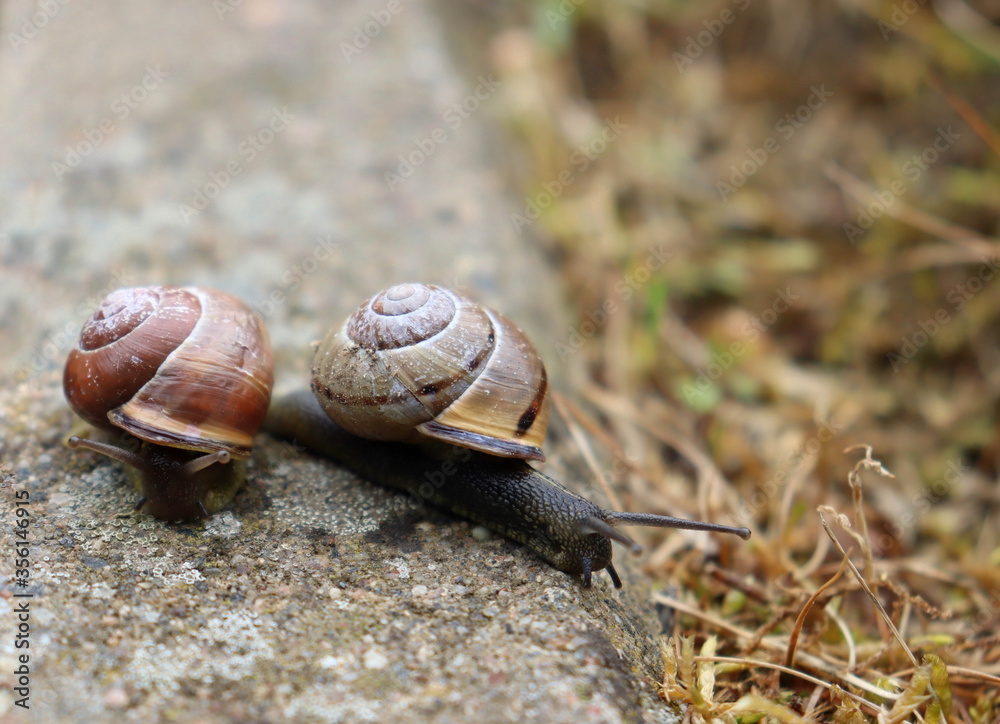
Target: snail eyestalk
<point>174,483</point>
<point>140,463</point>
<point>593,525</point>
<point>668,521</point>
<point>189,468</point>
<point>115,453</point>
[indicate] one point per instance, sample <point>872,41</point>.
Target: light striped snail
<point>189,372</point>
<point>416,362</point>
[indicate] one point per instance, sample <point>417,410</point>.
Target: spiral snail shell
<point>417,359</point>
<point>189,372</point>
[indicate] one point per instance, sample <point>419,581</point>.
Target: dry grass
<point>759,292</point>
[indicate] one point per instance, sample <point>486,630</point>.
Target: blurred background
<point>822,180</point>
<point>746,235</point>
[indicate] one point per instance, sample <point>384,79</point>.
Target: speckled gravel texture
<point>314,597</point>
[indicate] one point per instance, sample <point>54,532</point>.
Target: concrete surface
<point>245,145</point>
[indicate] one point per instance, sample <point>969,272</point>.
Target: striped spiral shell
<point>417,359</point>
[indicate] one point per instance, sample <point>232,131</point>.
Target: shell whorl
<point>120,349</point>
<point>417,357</point>
<point>183,367</point>
<point>401,316</point>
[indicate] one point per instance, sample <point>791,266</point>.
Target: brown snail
<point>364,386</point>
<point>188,371</point>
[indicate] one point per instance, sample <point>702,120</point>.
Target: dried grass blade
<point>868,591</point>
<point>800,620</point>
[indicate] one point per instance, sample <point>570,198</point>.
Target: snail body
<point>186,371</point>
<point>507,495</point>
<point>485,481</point>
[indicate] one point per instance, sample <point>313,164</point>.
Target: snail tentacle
<point>592,525</point>
<point>614,576</point>
<point>668,521</point>
<point>193,466</point>
<point>115,453</point>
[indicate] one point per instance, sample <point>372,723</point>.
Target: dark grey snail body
<point>507,495</point>
<point>504,494</point>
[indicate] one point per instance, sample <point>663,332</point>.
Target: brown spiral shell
<point>425,359</point>
<point>183,367</point>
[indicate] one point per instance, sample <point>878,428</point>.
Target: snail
<point>188,371</point>
<point>418,363</point>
